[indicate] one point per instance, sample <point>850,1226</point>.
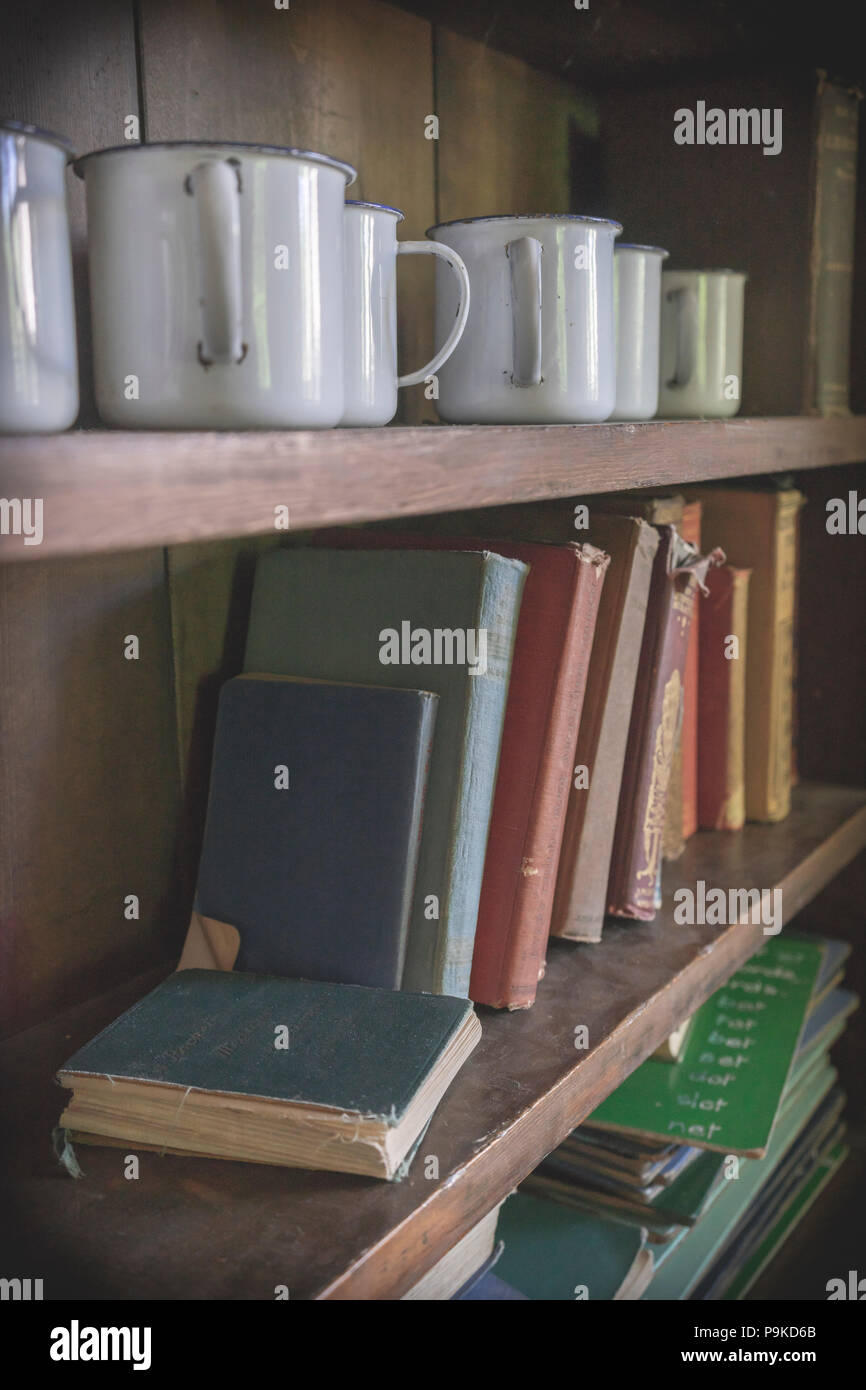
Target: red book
<point>545,697</point>
<point>722,725</point>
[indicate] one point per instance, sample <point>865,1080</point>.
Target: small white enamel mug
<point>371,248</point>
<point>637,289</point>
<point>539,344</point>
<point>216,279</point>
<point>701,362</point>
<point>38,355</point>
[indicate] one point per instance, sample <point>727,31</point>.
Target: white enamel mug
<point>539,344</point>
<point>38,355</point>
<point>371,248</point>
<point>216,277</point>
<point>701,362</point>
<point>637,288</point>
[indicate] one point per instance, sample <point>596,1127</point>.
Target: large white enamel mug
<point>371,249</point>
<point>539,344</point>
<point>701,363</point>
<point>216,278</point>
<point>637,308</point>
<point>38,356</point>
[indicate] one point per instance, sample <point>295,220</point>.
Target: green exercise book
<point>554,1254</point>
<point>679,1272</point>
<point>443,621</point>
<point>270,1070</point>
<point>725,1090</point>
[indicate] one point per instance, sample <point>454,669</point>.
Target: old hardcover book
<point>267,1070</point>
<point>671,509</point>
<point>758,530</point>
<point>681,819</point>
<point>313,825</point>
<point>656,713</point>
<point>832,262</point>
<point>471,1257</point>
<point>548,678</point>
<point>722,717</point>
<point>584,862</point>
<point>404,618</point>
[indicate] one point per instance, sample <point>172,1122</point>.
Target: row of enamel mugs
<point>233,286</point>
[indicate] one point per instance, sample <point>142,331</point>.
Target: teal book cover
<point>363,1051</point>
<point>440,621</point>
<point>555,1254</point>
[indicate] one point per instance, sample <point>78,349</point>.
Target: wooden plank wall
<point>104,762</point>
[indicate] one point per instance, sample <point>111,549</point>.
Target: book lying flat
<point>252,1067</point>
<point>407,619</point>
<point>545,697</point>
<point>709,1099</point>
<point>555,1254</point>
<point>313,825</point>
<point>471,1257</point>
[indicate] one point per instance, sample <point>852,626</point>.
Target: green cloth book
<point>270,1070</point>
<point>440,621</point>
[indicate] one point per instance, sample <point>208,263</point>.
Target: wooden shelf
<point>106,490</point>
<point>204,1229</point>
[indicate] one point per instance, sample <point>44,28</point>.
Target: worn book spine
<point>681,816</point>
<point>655,719</point>
<point>832,260</point>
<point>509,956</point>
<point>722,718</point>
<point>584,862</point>
<point>758,530</point>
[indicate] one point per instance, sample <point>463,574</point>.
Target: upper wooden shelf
<point>206,1229</point>
<point>106,490</point>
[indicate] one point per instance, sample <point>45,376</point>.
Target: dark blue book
<point>313,825</point>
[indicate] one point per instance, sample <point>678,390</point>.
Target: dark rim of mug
<point>375,207</point>
<point>37,133</point>
<point>249,146</point>
<point>526,217</point>
<point>636,246</point>
<point>713,270</point>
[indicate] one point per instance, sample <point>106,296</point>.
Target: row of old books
<point>688,1179</point>
<point>442,748</point>
<point>504,733</point>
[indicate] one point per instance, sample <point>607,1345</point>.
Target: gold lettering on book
<point>666,733</point>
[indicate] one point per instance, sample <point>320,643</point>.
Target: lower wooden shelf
<point>207,1229</point>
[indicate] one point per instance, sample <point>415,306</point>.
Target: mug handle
<point>525,257</point>
<point>454,262</point>
<point>685,303</point>
<point>216,187</point>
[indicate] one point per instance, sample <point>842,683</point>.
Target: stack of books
<point>685,1182</point>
